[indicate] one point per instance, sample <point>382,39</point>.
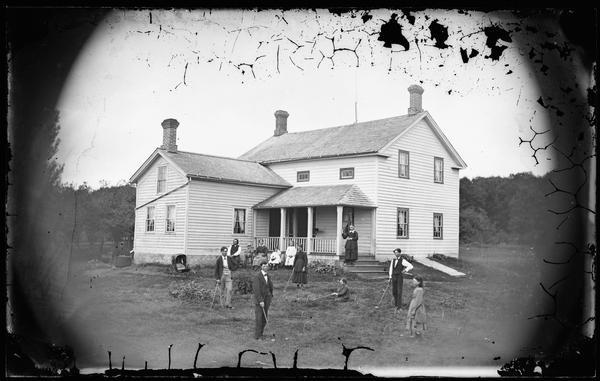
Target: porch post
<point>338,240</point>
<point>282,225</point>
<point>254,211</point>
<point>373,231</point>
<point>309,229</point>
<point>294,223</point>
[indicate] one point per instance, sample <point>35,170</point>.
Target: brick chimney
<point>416,95</point>
<point>280,122</point>
<point>170,135</point>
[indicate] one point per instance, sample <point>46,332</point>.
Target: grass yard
<point>477,320</point>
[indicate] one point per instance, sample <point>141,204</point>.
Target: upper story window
<point>161,183</point>
<point>402,223</point>
<point>170,221</point>
<point>302,176</point>
<point>150,219</point>
<point>438,169</point>
<point>239,221</point>
<point>403,164</point>
<point>346,173</point>
<point>438,225</point>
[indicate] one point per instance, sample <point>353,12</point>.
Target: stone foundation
<point>166,259</point>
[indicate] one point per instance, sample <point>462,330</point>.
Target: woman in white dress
<point>290,255</point>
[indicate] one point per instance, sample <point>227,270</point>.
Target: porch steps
<point>367,267</point>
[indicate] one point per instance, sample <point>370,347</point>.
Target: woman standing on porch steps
<point>351,237</point>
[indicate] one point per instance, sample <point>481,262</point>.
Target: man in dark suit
<point>398,266</point>
<point>223,268</point>
<point>262,289</point>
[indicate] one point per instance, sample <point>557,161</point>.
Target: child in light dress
<point>416,319</point>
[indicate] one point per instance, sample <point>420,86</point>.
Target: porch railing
<point>318,245</point>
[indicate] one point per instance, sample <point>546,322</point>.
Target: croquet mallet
<point>382,295</point>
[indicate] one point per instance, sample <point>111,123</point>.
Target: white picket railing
<point>318,245</point>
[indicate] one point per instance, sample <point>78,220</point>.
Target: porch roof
<point>326,195</point>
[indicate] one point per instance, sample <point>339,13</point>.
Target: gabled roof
<point>215,168</point>
<point>347,195</point>
<point>370,137</point>
<point>352,139</point>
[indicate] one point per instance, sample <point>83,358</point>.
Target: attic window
<point>161,183</point>
<point>302,176</point>
<point>346,173</point>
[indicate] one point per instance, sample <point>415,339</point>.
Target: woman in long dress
<point>351,237</point>
<point>416,320</point>
<point>300,263</point>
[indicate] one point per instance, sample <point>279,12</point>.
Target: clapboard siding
<point>362,223</point>
<point>327,172</point>
<point>159,241</point>
<point>419,194</point>
<point>146,186</point>
<point>210,220</point>
<point>262,223</point>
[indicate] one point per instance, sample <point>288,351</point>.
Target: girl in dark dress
<point>351,237</point>
<point>300,264</point>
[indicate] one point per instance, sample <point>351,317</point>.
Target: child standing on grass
<point>416,320</point>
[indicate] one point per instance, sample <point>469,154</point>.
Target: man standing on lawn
<point>262,290</point>
<point>223,268</point>
<point>398,266</point>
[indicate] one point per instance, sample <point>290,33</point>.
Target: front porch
<point>289,217</point>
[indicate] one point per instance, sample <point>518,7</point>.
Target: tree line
<point>513,209</point>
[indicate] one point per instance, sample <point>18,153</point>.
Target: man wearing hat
<point>398,266</point>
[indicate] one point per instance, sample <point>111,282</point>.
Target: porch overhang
<point>326,195</point>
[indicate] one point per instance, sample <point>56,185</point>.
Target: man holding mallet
<point>223,268</point>
<point>398,266</point>
<point>262,290</point>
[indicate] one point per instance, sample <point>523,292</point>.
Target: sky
<point>141,67</point>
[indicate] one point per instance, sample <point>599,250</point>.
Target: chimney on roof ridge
<point>170,135</point>
<point>280,122</point>
<point>416,99</point>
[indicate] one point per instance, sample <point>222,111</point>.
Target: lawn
<point>477,320</point>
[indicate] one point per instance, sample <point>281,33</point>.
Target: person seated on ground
<point>290,254</point>
<point>275,259</point>
<point>343,292</point>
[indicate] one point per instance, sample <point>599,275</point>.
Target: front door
<point>274,222</point>
<point>302,216</point>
